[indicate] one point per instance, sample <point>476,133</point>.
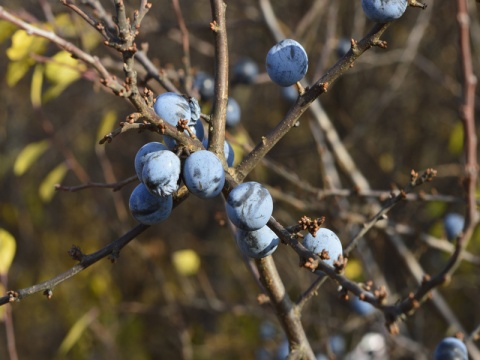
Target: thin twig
<point>185,45</point>
<point>86,260</point>
<point>114,186</point>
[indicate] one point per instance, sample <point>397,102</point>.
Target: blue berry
<point>161,173</point>
<point>451,348</point>
<point>287,62</point>
<point>141,155</point>
<point>453,224</point>
<point>227,150</point>
<point>229,154</point>
<point>257,244</point>
<point>290,93</point>
<point>199,131</point>
<point>249,206</point>
<point>325,239</point>
<point>233,113</point>
<point>203,174</point>
<point>267,330</point>
<point>245,72</point>
<point>337,345</point>
<point>172,107</point>
<point>195,110</point>
<point>147,208</point>
<point>343,47</point>
<point>361,307</point>
<point>383,11</point>
<point>205,85</point>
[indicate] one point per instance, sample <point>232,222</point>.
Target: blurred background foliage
<point>182,290</point>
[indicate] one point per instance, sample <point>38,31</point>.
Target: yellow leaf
<point>107,123</point>
<point>36,88</point>
<point>23,45</point>
<point>386,162</point>
<point>455,143</point>
<point>7,250</point>
<point>47,187</point>
<point>90,39</point>
<point>61,72</point>
<point>73,27</point>
<point>435,209</point>
<point>29,155</point>
<point>76,331</point>
<point>354,270</point>
<point>186,262</point>
<point>63,69</point>
<point>16,70</point>
<point>437,229</point>
<point>6,30</point>
<point>65,24</point>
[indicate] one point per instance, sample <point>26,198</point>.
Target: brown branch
<point>85,261</point>
<point>216,128</point>
<point>299,345</point>
<point>9,325</point>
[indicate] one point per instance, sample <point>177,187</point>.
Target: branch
<point>185,45</point>
<point>299,345</point>
<point>216,128</point>
<point>112,249</point>
<point>415,181</point>
<point>305,100</point>
<point>114,186</point>
<point>107,79</point>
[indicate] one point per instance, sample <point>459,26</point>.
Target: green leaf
<point>106,125</point>
<point>47,187</point>
<point>455,143</point>
<point>29,155</point>
<point>7,250</point>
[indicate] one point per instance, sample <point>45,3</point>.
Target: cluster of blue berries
<point>160,170</point>
<point>249,206</point>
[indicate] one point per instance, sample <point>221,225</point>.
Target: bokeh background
<point>395,110</point>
